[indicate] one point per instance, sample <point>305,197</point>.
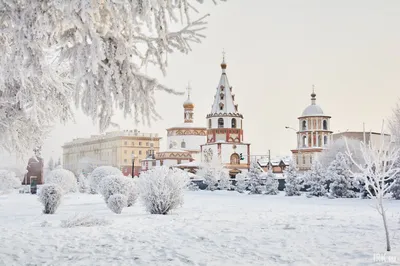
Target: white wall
<point>226,151</point>
<point>193,142</point>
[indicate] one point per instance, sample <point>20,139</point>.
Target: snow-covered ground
<point>212,228</point>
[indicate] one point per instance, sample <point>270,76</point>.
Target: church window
<point>310,159</point>
<point>325,140</point>
<point>222,88</point>
<point>325,125</point>
<point>304,141</point>
<point>220,122</point>
<point>233,123</point>
<point>183,144</point>
<point>304,159</point>
<point>235,158</point>
<point>297,159</point>
<point>221,106</point>
<point>209,123</point>
<point>304,125</point>
<point>221,96</point>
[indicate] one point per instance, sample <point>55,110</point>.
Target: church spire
<point>188,107</point>
<point>223,64</point>
<point>313,95</point>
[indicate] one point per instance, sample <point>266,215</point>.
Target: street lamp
<point>298,141</point>
<point>133,164</point>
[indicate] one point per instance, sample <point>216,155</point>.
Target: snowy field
<point>212,228</point>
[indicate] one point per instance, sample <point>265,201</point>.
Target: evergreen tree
<point>339,174</point>
<point>50,164</point>
<point>241,183</point>
<point>224,181</point>
<point>396,189</point>
<point>271,184</point>
<point>254,176</point>
<point>292,185</point>
<point>315,178</point>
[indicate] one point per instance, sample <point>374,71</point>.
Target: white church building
<point>225,141</point>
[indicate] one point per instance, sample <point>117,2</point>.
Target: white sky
<point>275,51</point>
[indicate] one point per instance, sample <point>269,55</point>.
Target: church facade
<point>313,136</point>
<point>225,141</point>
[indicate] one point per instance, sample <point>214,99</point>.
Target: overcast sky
<point>275,51</point>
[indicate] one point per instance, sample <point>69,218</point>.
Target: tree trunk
<point>385,225</point>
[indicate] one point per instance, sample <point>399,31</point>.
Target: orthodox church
<point>183,141</point>
<point>313,136</point>
<point>225,142</point>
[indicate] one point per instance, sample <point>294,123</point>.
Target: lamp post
<point>298,141</point>
<point>133,165</point>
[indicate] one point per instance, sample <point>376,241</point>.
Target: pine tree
<point>271,184</point>
<point>339,174</point>
<point>395,190</point>
<point>224,181</point>
<point>315,178</point>
<point>292,185</point>
<point>241,183</point>
<point>50,164</point>
<point>256,184</point>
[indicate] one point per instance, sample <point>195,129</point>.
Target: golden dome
<point>188,104</point>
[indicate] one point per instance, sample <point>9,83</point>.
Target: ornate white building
<point>313,136</point>
<point>225,130</point>
<point>188,135</point>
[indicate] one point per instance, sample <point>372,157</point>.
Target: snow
<point>212,228</point>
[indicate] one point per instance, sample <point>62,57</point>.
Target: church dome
<point>312,110</point>
<point>188,104</point>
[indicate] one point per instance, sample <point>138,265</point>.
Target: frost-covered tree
<point>394,124</point>
<point>210,172</point>
<point>50,164</point>
<point>113,184</point>
<point>91,53</point>
<point>378,170</point>
<point>117,202</point>
<point>8,181</point>
<point>339,175</point>
<point>316,180</point>
<point>292,181</point>
<point>328,155</point>
<point>271,184</point>
<point>83,183</point>
<point>395,190</point>
<point>50,196</point>
<point>98,174</point>
<point>192,186</point>
<point>256,184</point>
<point>63,178</point>
<point>133,193</point>
<point>241,183</point>
<point>224,182</point>
<point>162,189</point>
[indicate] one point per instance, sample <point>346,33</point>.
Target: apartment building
<point>112,148</point>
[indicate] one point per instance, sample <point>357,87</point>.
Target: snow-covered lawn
<point>212,228</point>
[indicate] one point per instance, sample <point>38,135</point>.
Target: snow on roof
<point>313,110</point>
<point>189,164</point>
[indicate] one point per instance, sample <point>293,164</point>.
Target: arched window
<point>221,106</point>
<point>183,144</point>
<point>325,125</point>
<point>304,141</point>
<point>221,96</point>
<point>209,123</point>
<point>220,122</point>
<point>233,123</point>
<point>304,125</point>
<point>325,140</point>
<point>235,158</point>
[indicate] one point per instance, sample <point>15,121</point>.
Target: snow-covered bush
<point>50,196</point>
<point>395,190</point>
<point>224,182</point>
<point>132,190</point>
<point>241,183</point>
<point>8,181</point>
<point>316,180</point>
<point>256,184</point>
<point>161,189</point>
<point>113,184</point>
<point>98,174</point>
<point>117,202</point>
<point>83,183</point>
<point>292,181</point>
<point>210,172</point>
<point>271,184</point>
<point>83,220</point>
<point>192,186</point>
<point>63,178</point>
<point>339,174</point>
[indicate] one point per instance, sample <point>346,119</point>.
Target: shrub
<point>98,174</point>
<point>161,189</point>
<point>84,220</point>
<point>83,183</point>
<point>63,178</point>
<point>113,184</point>
<point>50,196</point>
<point>117,202</point>
<point>132,192</point>
<point>8,180</point>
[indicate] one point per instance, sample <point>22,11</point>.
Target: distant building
<point>113,148</point>
<point>277,165</point>
<point>374,138</point>
<point>225,141</point>
<point>313,136</point>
